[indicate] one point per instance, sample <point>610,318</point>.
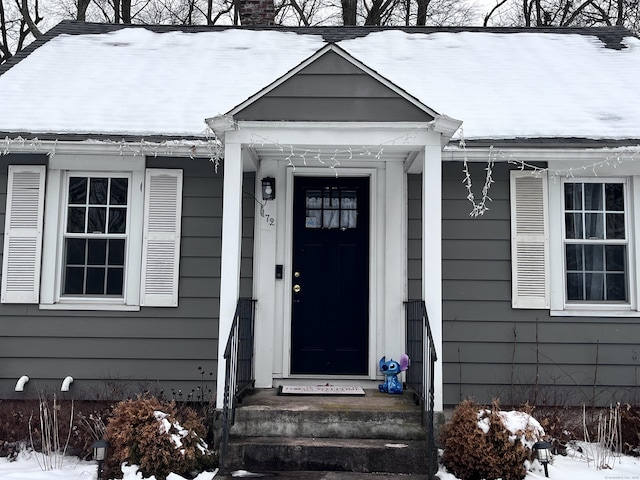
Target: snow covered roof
<point>92,79</point>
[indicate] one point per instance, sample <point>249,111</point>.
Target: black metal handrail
<point>420,376</point>
<point>239,374</point>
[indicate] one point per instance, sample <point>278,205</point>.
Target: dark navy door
<point>330,311</point>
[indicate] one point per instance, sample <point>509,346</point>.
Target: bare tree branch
<point>493,10</point>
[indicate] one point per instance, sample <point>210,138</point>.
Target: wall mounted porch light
<point>268,188</point>
<point>543,454</point>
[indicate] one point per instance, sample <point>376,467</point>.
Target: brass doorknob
<point>296,288</point>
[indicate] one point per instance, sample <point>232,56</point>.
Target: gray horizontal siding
<point>332,89</point>
<point>414,237</point>
<point>114,354</point>
<point>490,350</point>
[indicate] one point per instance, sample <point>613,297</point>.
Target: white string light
<point>479,208</point>
<point>212,147</point>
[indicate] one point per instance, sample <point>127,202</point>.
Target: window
<point>573,248</point>
<point>595,242</point>
<point>331,207</point>
<point>95,236</point>
<point>107,239</point>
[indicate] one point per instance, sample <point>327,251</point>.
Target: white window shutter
<point>161,243</point>
<point>529,240</point>
<point>23,234</point>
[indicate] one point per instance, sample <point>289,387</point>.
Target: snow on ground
<point>575,466</point>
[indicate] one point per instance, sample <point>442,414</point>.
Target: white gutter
<point>181,148</point>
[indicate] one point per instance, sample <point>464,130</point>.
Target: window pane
<point>75,220</point>
<point>77,191</point>
<point>594,286</point>
<point>75,251</point>
<point>98,191</point>
<point>115,281</point>
<point>616,287</point>
<point>574,286</point>
<point>593,225</point>
<point>615,225</point>
<point>616,258</point>
<point>573,225</point>
<point>593,258</point>
<point>95,280</point>
<point>116,252</point>
<point>97,252</point>
<point>73,281</point>
<point>574,257</point>
<point>573,196</point>
<point>614,195</point>
<point>117,220</point>
<point>119,188</point>
<point>97,220</point>
<point>593,196</point>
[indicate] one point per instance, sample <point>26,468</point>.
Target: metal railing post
<point>420,377</point>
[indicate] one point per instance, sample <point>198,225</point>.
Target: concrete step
<point>260,421</point>
<point>263,454</point>
<point>301,475</point>
<point>377,432</point>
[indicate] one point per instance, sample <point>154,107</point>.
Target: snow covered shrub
<point>156,436</point>
<point>488,444</point>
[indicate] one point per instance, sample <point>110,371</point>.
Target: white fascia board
<point>386,134</point>
<point>176,148</point>
<point>534,154</point>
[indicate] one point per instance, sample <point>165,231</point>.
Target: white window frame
<point>548,292</point>
<point>559,305</point>
<point>61,167</point>
<point>34,233</point>
<point>627,241</point>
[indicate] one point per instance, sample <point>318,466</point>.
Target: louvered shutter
<point>529,240</point>
<point>23,234</point>
<point>161,243</point>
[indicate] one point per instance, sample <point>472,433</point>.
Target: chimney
<point>257,12</point>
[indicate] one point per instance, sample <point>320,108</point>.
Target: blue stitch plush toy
<point>390,370</point>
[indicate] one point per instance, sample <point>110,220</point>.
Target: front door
<point>330,311</point>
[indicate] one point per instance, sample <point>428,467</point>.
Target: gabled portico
<point>365,141</point>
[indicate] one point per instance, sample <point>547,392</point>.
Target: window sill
<point>592,312</point>
<point>90,306</point>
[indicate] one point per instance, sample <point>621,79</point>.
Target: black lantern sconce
<point>99,454</point>
<point>268,188</point>
<point>543,454</point>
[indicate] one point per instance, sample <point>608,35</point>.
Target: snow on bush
<point>481,443</point>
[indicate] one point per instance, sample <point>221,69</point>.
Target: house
<point>153,175</point>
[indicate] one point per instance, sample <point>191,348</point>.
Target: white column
<point>264,261</point>
<point>432,254</point>
<point>395,261</point>
<point>230,263</point>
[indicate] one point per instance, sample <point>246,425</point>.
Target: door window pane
<point>331,208</point>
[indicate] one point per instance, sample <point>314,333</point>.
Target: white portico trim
<point>386,152</point>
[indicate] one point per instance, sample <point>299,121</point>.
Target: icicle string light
<point>212,147</point>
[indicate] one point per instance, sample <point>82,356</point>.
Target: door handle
<point>296,288</point>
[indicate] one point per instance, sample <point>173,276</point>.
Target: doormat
<point>319,390</point>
